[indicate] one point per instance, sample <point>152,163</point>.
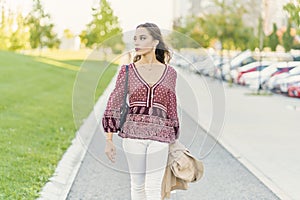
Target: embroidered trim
<point>142,130</point>
<point>158,105</point>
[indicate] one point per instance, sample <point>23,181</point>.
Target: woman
<point>152,122</point>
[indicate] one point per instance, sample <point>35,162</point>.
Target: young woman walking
<point>152,121</point>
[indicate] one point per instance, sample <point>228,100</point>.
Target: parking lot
<point>276,72</point>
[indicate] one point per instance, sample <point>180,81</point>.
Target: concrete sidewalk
<point>225,177</point>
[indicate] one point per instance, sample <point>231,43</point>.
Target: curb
<point>60,183</point>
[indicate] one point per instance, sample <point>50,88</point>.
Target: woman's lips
<point>137,49</point>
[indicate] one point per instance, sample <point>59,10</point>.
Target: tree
<point>41,30</point>
<point>225,25</point>
<point>5,29</point>
<point>230,28</point>
<point>293,10</point>
<point>273,38</point>
<point>14,33</point>
<point>104,29</point>
<point>83,38</point>
<point>287,38</point>
<point>68,34</point>
<point>20,37</point>
<point>187,36</point>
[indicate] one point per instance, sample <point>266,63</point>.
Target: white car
<point>235,72</point>
<point>238,61</point>
<point>285,83</point>
<point>272,82</point>
<point>291,77</point>
<point>256,78</point>
<point>242,71</point>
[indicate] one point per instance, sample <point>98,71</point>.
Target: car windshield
<point>240,57</point>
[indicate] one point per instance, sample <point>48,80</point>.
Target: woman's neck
<point>148,59</point>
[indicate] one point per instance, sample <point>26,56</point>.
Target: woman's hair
<point>161,52</point>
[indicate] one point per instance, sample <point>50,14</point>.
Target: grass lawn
<point>36,120</point>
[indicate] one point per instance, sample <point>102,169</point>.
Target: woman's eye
<point>142,38</point>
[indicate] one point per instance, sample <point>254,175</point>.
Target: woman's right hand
<point>110,150</point>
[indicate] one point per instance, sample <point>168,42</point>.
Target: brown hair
<point>161,52</point>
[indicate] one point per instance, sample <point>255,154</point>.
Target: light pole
<point>261,43</point>
<point>221,38</point>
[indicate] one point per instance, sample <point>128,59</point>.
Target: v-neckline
<point>145,82</point>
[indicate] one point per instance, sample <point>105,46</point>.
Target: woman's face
<point>143,41</point>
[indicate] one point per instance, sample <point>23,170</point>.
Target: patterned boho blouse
<point>153,109</point>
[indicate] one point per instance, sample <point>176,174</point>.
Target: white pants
<point>147,160</point>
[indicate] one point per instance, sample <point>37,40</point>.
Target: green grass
<point>36,120</point>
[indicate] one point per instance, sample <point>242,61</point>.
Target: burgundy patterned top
<point>153,109</point>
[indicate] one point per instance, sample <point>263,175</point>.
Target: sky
<point>75,14</point>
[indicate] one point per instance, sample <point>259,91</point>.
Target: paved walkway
<point>225,177</point>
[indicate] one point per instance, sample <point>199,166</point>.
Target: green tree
<point>104,26</point>
<point>5,29</point>
<point>41,30</point>
<point>293,10</point>
<point>20,37</point>
<point>187,36</point>
<point>287,38</point>
<point>68,34</point>
<point>273,38</point>
<point>225,25</point>
<point>229,25</point>
<point>14,34</point>
<point>83,38</point>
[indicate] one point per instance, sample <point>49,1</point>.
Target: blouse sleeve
<point>172,106</point>
<point>111,117</point>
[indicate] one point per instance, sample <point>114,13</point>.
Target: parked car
<point>183,60</point>
<point>255,66</point>
<point>204,65</point>
<point>288,81</point>
<point>256,79</point>
<point>294,90</point>
<point>216,72</point>
<point>239,60</point>
<point>247,57</point>
<point>272,84</point>
<point>296,58</point>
